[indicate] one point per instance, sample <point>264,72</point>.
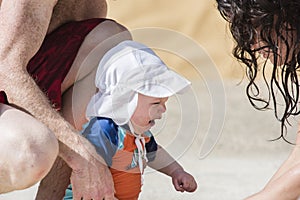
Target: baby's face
<point>148,110</point>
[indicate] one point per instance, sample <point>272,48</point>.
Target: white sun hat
<point>126,70</point>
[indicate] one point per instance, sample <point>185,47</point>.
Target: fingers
<point>178,185</point>
<point>92,183</point>
<point>94,193</point>
<point>110,197</point>
<point>188,185</point>
<point>82,198</point>
<point>92,196</point>
<point>78,197</point>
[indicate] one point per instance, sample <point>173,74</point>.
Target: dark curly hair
<point>275,23</point>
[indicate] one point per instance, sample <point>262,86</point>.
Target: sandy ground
<point>192,38</point>
<point>241,163</point>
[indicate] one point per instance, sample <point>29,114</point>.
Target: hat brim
<point>166,84</point>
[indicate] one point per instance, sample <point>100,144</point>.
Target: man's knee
<point>108,34</point>
<point>118,28</point>
<point>101,39</point>
<point>27,150</point>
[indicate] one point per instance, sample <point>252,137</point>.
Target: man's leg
<point>27,149</point>
<point>52,186</point>
<point>78,88</point>
<point>77,95</point>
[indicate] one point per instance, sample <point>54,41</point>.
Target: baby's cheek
<point>141,121</point>
<point>152,112</point>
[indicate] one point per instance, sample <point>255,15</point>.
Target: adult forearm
<point>23,26</point>
<point>292,161</point>
<point>285,187</point>
<point>25,94</point>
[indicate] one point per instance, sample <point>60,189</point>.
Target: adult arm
<point>285,183</point>
<point>285,187</point>
<point>23,26</point>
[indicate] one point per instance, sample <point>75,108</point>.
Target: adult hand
<point>92,181</point>
<point>90,177</point>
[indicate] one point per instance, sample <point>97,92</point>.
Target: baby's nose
<point>163,108</point>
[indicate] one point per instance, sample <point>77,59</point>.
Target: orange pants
<point>127,185</point>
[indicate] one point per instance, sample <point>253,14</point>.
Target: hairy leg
<point>53,186</point>
<point>58,177</point>
<point>28,149</point>
<point>78,87</point>
<point>78,94</point>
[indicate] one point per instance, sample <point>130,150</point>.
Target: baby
<point>134,86</point>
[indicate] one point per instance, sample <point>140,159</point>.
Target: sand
<point>241,163</point>
<point>193,40</point>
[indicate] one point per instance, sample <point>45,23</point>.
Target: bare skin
<point>32,139</point>
<point>147,111</point>
<point>78,94</point>
<point>165,163</point>
<point>285,182</point>
<point>26,23</point>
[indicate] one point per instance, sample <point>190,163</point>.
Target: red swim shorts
<point>54,59</point>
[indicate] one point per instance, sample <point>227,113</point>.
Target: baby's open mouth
<point>152,122</point>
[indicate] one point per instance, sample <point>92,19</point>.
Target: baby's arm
<point>166,164</point>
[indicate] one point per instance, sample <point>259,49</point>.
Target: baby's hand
<point>183,181</point>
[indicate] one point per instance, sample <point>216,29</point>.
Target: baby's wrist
<point>176,171</point>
